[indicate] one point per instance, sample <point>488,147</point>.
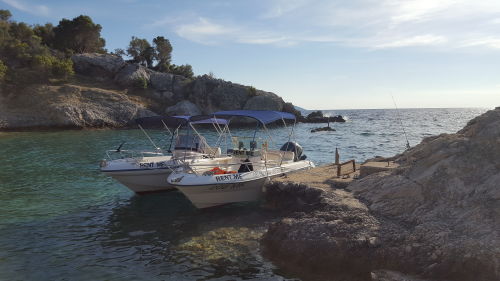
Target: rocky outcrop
<point>183,108</point>
<point>69,106</point>
<point>163,93</point>
<point>211,95</point>
<point>97,65</point>
<point>162,81</point>
<point>133,75</point>
<point>265,101</point>
<point>324,231</point>
<point>437,215</point>
<point>207,93</point>
<point>448,189</point>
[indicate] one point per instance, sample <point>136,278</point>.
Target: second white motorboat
<point>146,172</point>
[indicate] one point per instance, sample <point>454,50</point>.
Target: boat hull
<point>213,190</point>
<point>205,196</point>
<point>143,180</point>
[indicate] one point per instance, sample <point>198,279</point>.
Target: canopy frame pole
<point>176,133</point>
<point>166,127</point>
<point>171,135</point>
<point>289,137</point>
<point>152,142</point>
<point>200,137</point>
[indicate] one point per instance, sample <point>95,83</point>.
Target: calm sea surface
<point>61,219</point>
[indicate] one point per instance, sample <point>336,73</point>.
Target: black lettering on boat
<point>161,164</point>
<point>223,178</point>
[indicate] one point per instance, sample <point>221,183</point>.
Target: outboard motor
<point>295,147</point>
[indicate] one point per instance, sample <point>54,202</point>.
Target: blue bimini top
<point>176,121</point>
<point>263,116</point>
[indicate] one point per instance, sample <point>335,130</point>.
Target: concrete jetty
<point>328,176</point>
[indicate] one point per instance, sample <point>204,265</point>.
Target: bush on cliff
<point>163,53</point>
<point>25,58</point>
<point>50,66</point>
<point>79,35</point>
<point>141,83</point>
<point>3,70</point>
<point>185,70</point>
<point>46,34</point>
<point>5,15</point>
<point>141,51</point>
<point>252,92</point>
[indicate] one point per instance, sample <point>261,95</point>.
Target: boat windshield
<point>191,142</point>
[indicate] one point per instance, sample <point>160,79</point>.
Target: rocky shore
<point>110,92</point>
<point>436,216</point>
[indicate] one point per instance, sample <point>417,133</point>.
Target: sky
<point>316,54</point>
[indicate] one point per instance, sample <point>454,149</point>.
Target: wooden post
<point>337,156</point>
<point>339,170</point>
<point>354,165</point>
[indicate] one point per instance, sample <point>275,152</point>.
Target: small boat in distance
<point>147,171</point>
<point>242,176</point>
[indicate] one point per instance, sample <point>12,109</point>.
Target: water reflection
<point>174,238</point>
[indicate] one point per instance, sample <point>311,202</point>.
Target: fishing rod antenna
<point>401,122</point>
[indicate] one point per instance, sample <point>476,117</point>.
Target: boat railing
<point>202,168</point>
<point>132,154</point>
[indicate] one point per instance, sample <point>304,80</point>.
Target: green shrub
<point>185,70</point>
<point>3,70</point>
<point>52,67</point>
<point>141,83</point>
<point>62,68</point>
<point>252,91</point>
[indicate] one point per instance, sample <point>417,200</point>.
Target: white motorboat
<point>145,172</point>
<point>241,177</point>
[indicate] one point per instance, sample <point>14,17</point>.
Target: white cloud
<point>419,40</point>
<point>489,42</point>
<point>28,8</point>
<point>279,8</point>
<point>372,24</point>
<point>418,10</point>
<point>205,31</point>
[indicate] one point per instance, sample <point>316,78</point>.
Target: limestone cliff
<point>69,106</point>
<point>109,92</point>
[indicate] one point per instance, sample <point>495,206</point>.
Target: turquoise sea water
<point>61,219</point>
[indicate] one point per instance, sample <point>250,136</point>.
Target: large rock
<point>448,191</point>
<point>162,81</point>
<point>183,108</point>
<point>69,106</point>
<point>437,215</point>
<point>97,65</point>
<point>133,75</point>
<point>212,94</point>
<point>325,232</point>
<point>264,101</point>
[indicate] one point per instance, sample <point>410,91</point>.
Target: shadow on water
<point>185,242</point>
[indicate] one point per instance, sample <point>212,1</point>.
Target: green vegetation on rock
<point>252,91</point>
<point>163,53</point>
<point>184,70</point>
<point>3,70</point>
<point>25,58</point>
<point>79,35</point>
